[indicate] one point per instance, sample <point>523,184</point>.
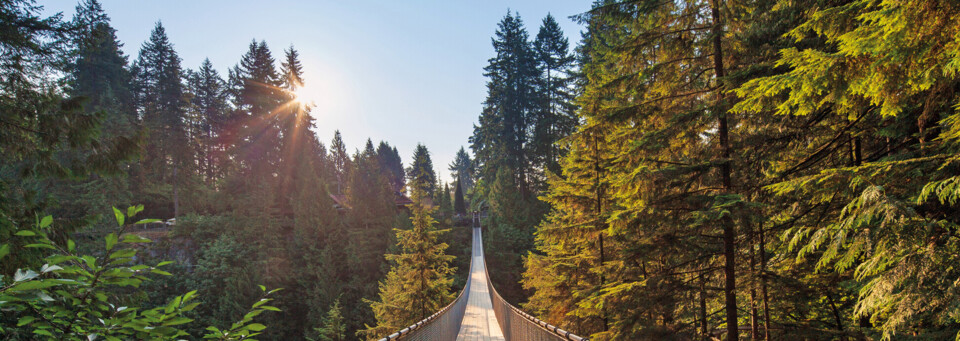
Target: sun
<point>305,95</point>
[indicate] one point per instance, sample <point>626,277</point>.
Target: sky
<point>405,72</point>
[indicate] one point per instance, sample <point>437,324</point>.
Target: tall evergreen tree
<point>418,283</point>
<point>500,141</point>
<point>421,172</point>
<point>554,116</point>
<point>98,74</point>
<point>295,121</point>
<point>462,169</point>
<point>259,103</point>
<point>341,160</point>
<point>208,111</point>
<point>39,126</point>
<point>391,164</point>
<point>162,107</point>
<point>459,204</point>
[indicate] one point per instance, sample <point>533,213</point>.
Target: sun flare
<point>305,95</point>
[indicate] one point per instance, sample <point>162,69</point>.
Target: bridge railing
<point>442,325</point>
<point>518,325</point>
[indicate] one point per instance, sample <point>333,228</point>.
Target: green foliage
<point>421,173</point>
<point>74,296</point>
<point>418,283</point>
<point>333,328</point>
<point>820,136</point>
<point>462,170</point>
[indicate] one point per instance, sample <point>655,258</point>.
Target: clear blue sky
<point>399,71</point>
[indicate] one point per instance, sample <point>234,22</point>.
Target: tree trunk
<point>599,222</point>
<point>729,232</point>
<point>754,321</point>
<point>763,286</point>
<point>703,306</point>
<point>176,193</point>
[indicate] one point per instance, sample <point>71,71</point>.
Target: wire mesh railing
<point>514,323</point>
<point>442,325</point>
<point>518,325</point>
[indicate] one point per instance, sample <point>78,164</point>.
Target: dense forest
<point>247,196</point>
<point>689,170</point>
<point>738,169</point>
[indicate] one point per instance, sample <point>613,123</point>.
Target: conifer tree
<point>208,111</point>
<point>333,328</point>
<point>444,203</point>
<point>260,97</point>
<point>341,160</point>
<point>459,204</point>
<point>98,73</point>
<point>554,116</point>
<point>39,126</point>
<point>162,107</point>
<point>391,164</point>
<point>421,171</point>
<point>500,141</point>
<point>418,283</point>
<point>462,170</point>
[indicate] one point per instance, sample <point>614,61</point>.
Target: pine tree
<point>341,160</point>
<point>162,108</point>
<point>421,172</point>
<point>872,94</point>
<point>554,116</point>
<point>98,74</point>
<point>445,204</point>
<point>500,141</point>
<point>391,163</point>
<point>418,283</point>
<point>39,126</point>
<point>295,121</point>
<point>459,204</point>
<point>333,328</point>
<point>208,111</point>
<point>462,170</point>
<point>260,97</point>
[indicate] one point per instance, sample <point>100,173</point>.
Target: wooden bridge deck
<point>479,320</point>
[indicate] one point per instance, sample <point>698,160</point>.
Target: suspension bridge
<point>479,313</point>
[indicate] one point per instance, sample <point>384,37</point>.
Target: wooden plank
<point>479,320</point>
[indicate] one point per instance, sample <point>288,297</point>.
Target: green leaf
<point>25,233</point>
<point>46,221</point>
<point>90,261</point>
<point>4,250</point>
<point>42,332</point>
<point>133,238</point>
<point>161,272</point>
<point>25,321</point>
<point>147,221</point>
<point>41,246</point>
<point>262,288</point>
<point>177,321</point>
<point>256,327</point>
<point>71,245</point>
<point>111,240</point>
<point>132,211</point>
<point>33,285</point>
<point>119,216</point>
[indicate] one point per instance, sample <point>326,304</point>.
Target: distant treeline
<point>257,198</point>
